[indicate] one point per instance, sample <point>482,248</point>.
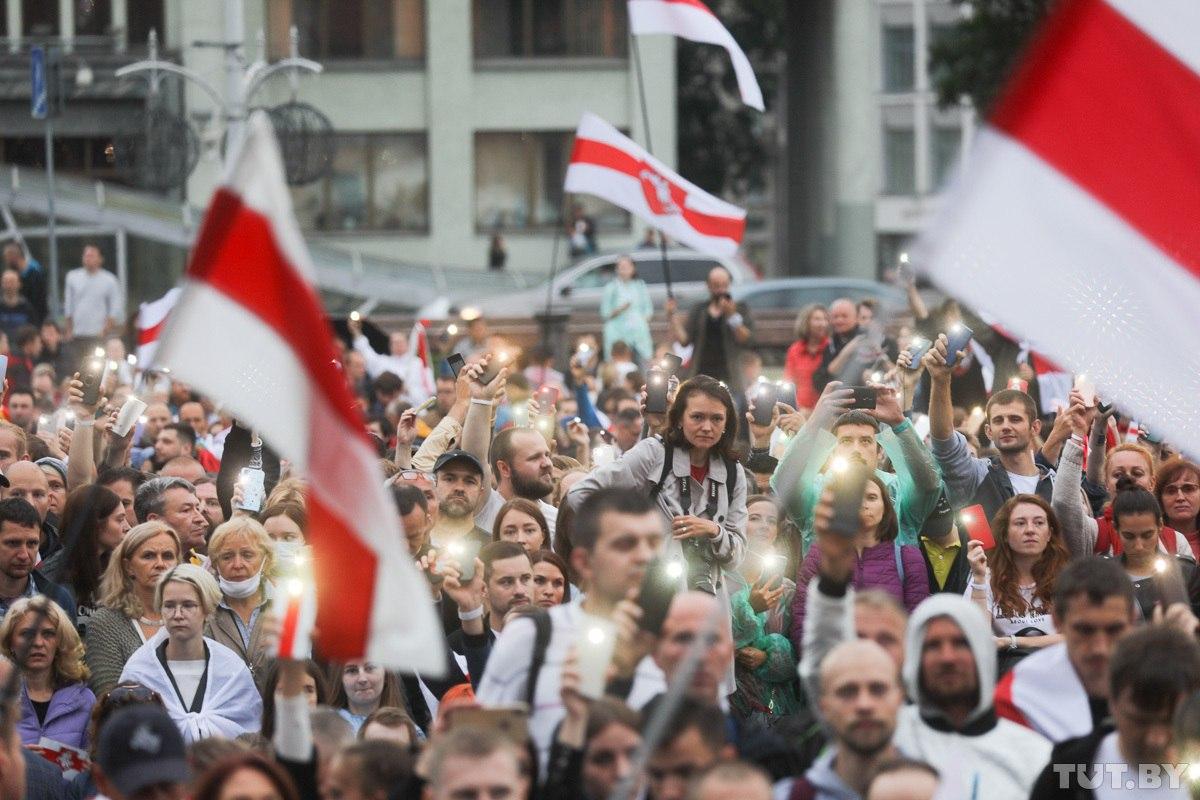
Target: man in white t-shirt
<point>1012,424</point>
<point>93,303</point>
<point>616,534</point>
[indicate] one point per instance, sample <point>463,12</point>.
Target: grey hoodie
<point>989,758</point>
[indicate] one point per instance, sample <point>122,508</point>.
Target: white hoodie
<point>991,758</point>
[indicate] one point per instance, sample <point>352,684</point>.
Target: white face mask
<point>240,589</point>
<point>286,552</point>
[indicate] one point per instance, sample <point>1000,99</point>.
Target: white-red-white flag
<point>1075,220</point>
<point>693,20</point>
<point>612,166</point>
<point>249,330</point>
<point>151,319</point>
<point>418,345</point>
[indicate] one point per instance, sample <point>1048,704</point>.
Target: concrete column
<point>449,74</point>
<point>658,66</point>
<point>922,102</point>
<point>13,17</point>
<point>66,24</point>
<point>120,24</point>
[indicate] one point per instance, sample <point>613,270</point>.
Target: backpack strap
<point>541,640</point>
<point>899,564</point>
<point>668,463</point>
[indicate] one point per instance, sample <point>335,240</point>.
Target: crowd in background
<point>903,567</point>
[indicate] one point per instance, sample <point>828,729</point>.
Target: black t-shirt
<point>40,707</point>
<point>712,361</point>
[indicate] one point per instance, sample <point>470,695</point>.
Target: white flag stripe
<point>597,129</point>
<point>697,25</point>
<point>626,192</point>
<point>1123,301</point>
<point>1174,24</point>
<point>287,426</point>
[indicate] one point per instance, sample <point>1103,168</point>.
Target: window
<point>39,18</point>
<point>349,30</point>
<point>947,143</point>
<point>379,181</point>
<point>900,172</point>
<point>898,58</point>
<point>93,19</point>
<point>143,17</point>
<point>541,28</point>
<point>518,183</point>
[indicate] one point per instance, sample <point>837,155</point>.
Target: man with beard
<point>520,461</point>
<point>949,672</point>
<point>1011,423</point>
<point>860,698</point>
<point>834,432</point>
<point>206,493</point>
<point>459,487</point>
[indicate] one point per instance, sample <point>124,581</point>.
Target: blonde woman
<point>241,554</point>
<point>55,703</point>
<point>206,688</point>
<point>127,618</point>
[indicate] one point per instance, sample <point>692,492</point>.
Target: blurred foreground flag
<point>611,166</point>
<point>1074,223</point>
<point>249,330</point>
<point>694,21</point>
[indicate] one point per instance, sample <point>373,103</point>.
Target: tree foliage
<point>975,56</point>
<point>724,146</point>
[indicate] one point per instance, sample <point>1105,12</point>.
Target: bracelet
<point>1012,642</point>
<point>467,616</point>
<point>479,401</point>
<point>979,587</point>
<point>84,423</point>
<point>1076,438</point>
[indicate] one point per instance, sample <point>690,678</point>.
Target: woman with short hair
<point>241,553</point>
<point>206,687</point>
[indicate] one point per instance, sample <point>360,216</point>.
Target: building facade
<point>453,119</point>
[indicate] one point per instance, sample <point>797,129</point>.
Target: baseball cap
<point>940,519</point>
<point>457,455</point>
<point>139,747</point>
<point>57,464</point>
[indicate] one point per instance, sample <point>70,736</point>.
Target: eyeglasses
<point>414,475</point>
<point>186,606</point>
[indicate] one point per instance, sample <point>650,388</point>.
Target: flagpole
<point>641,85</point>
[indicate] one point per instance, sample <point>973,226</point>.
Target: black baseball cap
<point>139,747</point>
<point>457,455</point>
<point>940,519</point>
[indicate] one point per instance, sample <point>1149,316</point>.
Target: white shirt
<point>1024,484</point>
<point>187,675</point>
<point>91,299</point>
<point>406,367</point>
<point>1117,783</point>
<point>486,517</point>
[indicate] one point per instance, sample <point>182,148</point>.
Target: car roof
<point>740,272</point>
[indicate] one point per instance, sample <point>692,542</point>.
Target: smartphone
<point>957,339</point>
<point>128,415</point>
<point>253,491</point>
<point>465,553</point>
<point>656,391</point>
<point>45,425</point>
<point>772,571</point>
<point>91,373</point>
<point>603,455</point>
<point>509,721</point>
<point>3,367</point>
<point>500,359</point>
<point>975,521</point>
<point>864,397</point>
<point>455,362</point>
<point>660,584</point>
<point>786,393</point>
<point>594,649</point>
<point>670,363</point>
<point>916,351</point>
<point>849,484</point>
<point>1084,385</point>
<point>547,400</point>
<point>586,355</point>
<point>1019,384</point>
<point>764,402</point>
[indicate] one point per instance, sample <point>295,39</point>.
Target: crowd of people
<point>903,570</point>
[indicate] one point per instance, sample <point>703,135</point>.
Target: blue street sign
<point>40,94</point>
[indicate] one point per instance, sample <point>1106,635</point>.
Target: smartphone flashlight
<point>131,359</point>
<point>603,454</point>
<point>674,569</point>
<point>839,465</point>
<point>355,316</point>
<point>452,329</point>
<point>904,258</point>
<point>876,377</point>
<point>98,352</point>
<point>1160,565</point>
<point>772,560</point>
<point>596,635</point>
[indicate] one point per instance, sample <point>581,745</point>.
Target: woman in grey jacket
<point>698,490</point>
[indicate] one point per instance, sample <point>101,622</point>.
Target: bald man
<point>691,615</point>
<point>27,481</point>
<point>735,780</point>
<point>718,329</point>
<point>860,699</point>
<point>184,467</point>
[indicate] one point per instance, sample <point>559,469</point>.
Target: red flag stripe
<point>234,235</point>
<point>601,154</point>
<point>1082,102</point>
<point>148,335</point>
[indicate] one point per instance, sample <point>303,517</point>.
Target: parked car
<point>791,294</point>
<point>580,287</point>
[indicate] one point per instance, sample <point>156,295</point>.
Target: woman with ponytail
<point>1159,579</point>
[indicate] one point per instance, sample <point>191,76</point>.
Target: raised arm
<point>1078,527</point>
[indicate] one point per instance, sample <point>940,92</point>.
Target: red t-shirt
<point>699,473</point>
<point>799,367</point>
